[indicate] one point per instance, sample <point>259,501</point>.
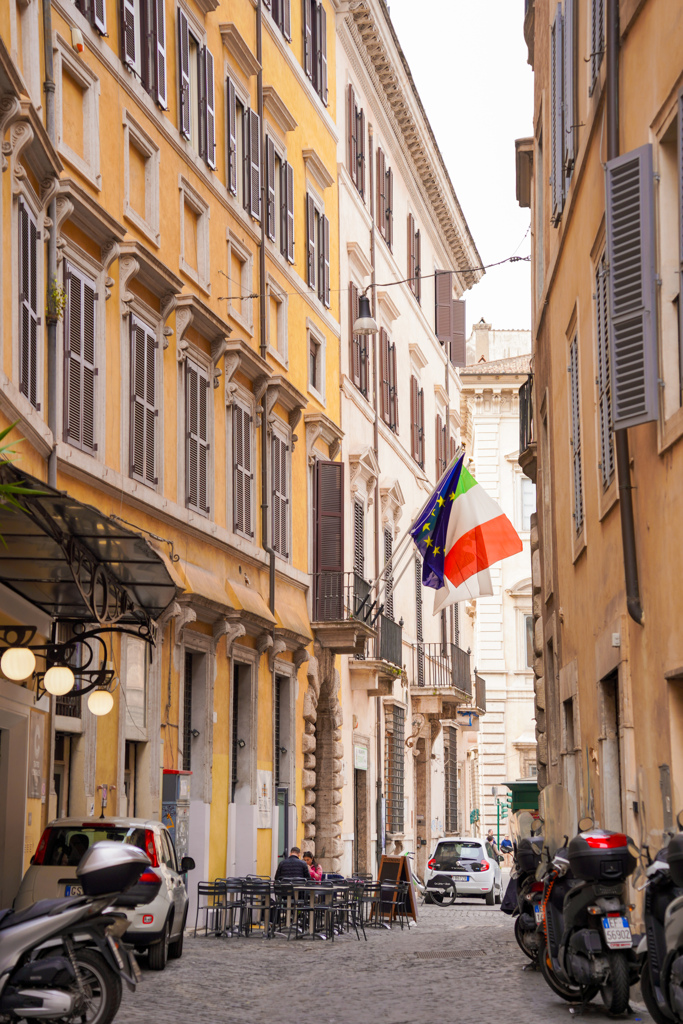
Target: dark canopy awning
<point>74,563</point>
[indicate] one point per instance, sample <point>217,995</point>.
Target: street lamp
<point>18,663</point>
<point>100,702</point>
<point>59,680</point>
<point>365,323</point>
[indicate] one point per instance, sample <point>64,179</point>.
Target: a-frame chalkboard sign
<point>397,869</point>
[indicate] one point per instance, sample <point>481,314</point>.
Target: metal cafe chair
<point>232,905</point>
<point>210,901</point>
<point>256,906</point>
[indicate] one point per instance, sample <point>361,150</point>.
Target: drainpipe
<point>49,90</point>
<point>262,322</point>
<point>378,520</point>
<point>628,536</point>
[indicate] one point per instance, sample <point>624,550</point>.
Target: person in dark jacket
<point>292,868</point>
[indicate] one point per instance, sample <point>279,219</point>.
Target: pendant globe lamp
<point>18,663</point>
<point>58,680</point>
<point>365,322</point>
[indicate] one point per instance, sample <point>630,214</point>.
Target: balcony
<point>441,678</point>
<point>341,612</point>
<point>527,436</point>
<point>381,663</point>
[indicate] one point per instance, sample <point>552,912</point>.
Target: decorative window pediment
<point>137,262</point>
<point>240,356</point>
<point>282,392</point>
<point>393,501</point>
<point>28,143</point>
<point>238,48</point>
<point>277,111</point>
<point>321,427</point>
<point>76,205</point>
<point>363,472</point>
<point>192,312</point>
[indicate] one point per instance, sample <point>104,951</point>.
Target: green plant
<point>9,490</point>
<point>56,301</point>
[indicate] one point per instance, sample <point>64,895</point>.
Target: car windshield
<point>66,845</point>
<point>448,854</point>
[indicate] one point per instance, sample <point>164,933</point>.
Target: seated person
<point>315,870</point>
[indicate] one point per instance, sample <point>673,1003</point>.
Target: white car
<point>157,926</point>
<point>474,869</point>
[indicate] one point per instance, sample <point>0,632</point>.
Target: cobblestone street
<point>390,979</point>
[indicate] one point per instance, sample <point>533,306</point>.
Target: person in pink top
<point>315,869</point>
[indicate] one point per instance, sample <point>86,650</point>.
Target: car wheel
<point>175,948</point>
<point>158,953</point>
<point>491,896</point>
<point>499,894</point>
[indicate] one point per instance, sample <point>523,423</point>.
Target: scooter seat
<point>10,918</point>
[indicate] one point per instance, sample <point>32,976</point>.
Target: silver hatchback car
<point>157,926</point>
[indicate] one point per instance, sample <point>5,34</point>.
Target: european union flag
<point>429,530</point>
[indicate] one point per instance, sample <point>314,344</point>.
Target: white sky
<point>469,63</point>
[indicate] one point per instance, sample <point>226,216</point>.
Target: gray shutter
<point>144,411</point>
<point>557,118</point>
<point>604,386</point>
<point>352,117</point>
<point>270,188</point>
<point>280,496</point>
<point>631,256</point>
<point>381,209</point>
<point>79,360</point>
<point>411,252</point>
<point>159,36</point>
<point>128,32</point>
<point>254,165</point>
<point>393,386</point>
<point>325,260</point>
<point>569,134</point>
<point>209,111</point>
<point>308,38</point>
<point>459,339</point>
<point>201,81</point>
<point>28,304</point>
<point>414,427</point>
<point>184,66</point>
<point>321,22</point>
<point>390,208</point>
<point>360,142</point>
<point>418,265</point>
<point>286,13</point>
<point>385,387</point>
<point>310,238</point>
<point>242,472</point>
<point>99,16</point>
<point>197,395</point>
<point>443,299</point>
<point>329,489</point>
<point>232,137</point>
<point>355,338</point>
<point>576,434</point>
<point>289,174</point>
<point>597,40</point>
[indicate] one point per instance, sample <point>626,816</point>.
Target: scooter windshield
<point>524,825</point>
<point>559,819</point>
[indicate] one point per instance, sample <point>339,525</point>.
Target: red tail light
<point>149,878</point>
<point>606,842</point>
<point>39,855</point>
<point>537,887</point>
<point>431,863</point>
<point>150,847</point>
<point>484,865</point>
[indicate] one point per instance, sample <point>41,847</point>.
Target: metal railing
<point>390,641</point>
<point>68,705</point>
<point>526,415</point>
<point>441,665</point>
<point>340,596</point>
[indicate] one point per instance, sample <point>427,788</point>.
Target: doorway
<point>610,754</point>
<point>360,822</point>
<point>283,844</point>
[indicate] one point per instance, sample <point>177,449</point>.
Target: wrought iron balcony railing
<point>526,415</point>
<point>441,665</point>
<point>390,641</point>
<point>339,596</point>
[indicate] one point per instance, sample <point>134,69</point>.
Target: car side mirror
<point>187,864</point>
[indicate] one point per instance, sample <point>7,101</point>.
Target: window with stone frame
<point>394,767</point>
<point>142,33</point>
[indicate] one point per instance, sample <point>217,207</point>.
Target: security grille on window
<point>359,359</point>
<point>144,410</point>
<point>197,398</point>
<point>29,321</point>
<point>315,46</point>
<point>359,539</point>
<point>79,359</point>
<point>197,105</point>
<point>143,43</point>
<point>187,714</point>
<point>394,752</point>
<point>576,434</point>
<point>281,13</point>
<point>450,778</point>
<point>279,450</point>
<point>243,474</point>
<point>389,380</point>
<point>388,574</point>
<point>356,141</point>
<point>414,258</point>
<point>96,13</point>
<point>385,199</point>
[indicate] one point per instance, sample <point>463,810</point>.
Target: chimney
<point>482,338</point>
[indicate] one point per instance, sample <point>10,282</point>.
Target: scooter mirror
<point>585,824</point>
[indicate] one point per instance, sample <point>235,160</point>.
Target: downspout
<point>49,90</point>
<point>262,321</point>
<point>378,520</point>
<point>628,535</point>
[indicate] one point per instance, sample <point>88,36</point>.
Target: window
<point>244,152</point>
<point>143,400</point>
<point>385,199</point>
<point>315,46</point>
<point>603,378</point>
<point>356,142</point>
<point>242,474</point>
<point>196,89</point>
<point>80,325</point>
<point>77,112</point>
<point>359,539</point>
<point>276,309</point>
<point>563,117</point>
<point>279,201</point>
<point>329,594</point>
<point>240,264</point>
<point>441,447</point>
<point>419,635</point>
<point>576,434</point>
<point>670,239</point>
<point>281,13</point>
<point>450,773</point>
<point>187,714</point>
<point>140,179</point>
<point>528,502</point>
<point>194,235</point>
<point>137,670</point>
<point>143,44</point>
<point>414,258</point>
<point>279,454</point>
<point>528,641</point>
<point>597,41</point>
<point>394,767</point>
<point>359,360</point>
<point>29,320</point>
<point>417,416</point>
<point>315,363</point>
<point>318,252</point>
<point>389,380</point>
<point>197,427</point>
<point>388,574</point>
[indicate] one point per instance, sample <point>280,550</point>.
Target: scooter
<point>63,958</point>
<point>660,952</point>
<point>523,894</point>
<point>588,946</point>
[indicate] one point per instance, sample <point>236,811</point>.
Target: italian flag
<point>478,535</point>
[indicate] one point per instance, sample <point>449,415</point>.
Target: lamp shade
<point>366,323</point>
<point>18,663</point>
<point>100,702</point>
<point>58,680</point>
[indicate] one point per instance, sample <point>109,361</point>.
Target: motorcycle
<point>587,944</point>
<point>63,958</point>
<point>524,892</point>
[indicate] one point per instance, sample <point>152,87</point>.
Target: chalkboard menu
<point>397,869</point>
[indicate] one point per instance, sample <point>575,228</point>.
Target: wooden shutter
<point>576,434</point>
<point>459,338</point>
<point>321,25</point>
<point>280,494</point>
<point>232,137</point>
<point>159,46</point>
<point>79,360</point>
<point>209,110</point>
<point>330,538</point>
<point>384,365</point>
<point>603,381</point>
<point>632,290</point>
<point>270,188</point>
<point>354,358</point>
<point>28,304</point>
<point>359,539</point>
<point>440,447</point>
<point>197,392</point>
<point>128,32</point>
<point>443,315</point>
<point>381,210</point>
<point>242,470</point>
<point>557,117</point>
<point>99,16</point>
<point>254,165</point>
<point>418,265</point>
<point>411,252</point>
<point>389,211</point>
<point>184,65</point>
<point>289,175</point>
<point>414,443</point>
<point>310,241</point>
<point>452,449</point>
<point>325,260</point>
<point>421,427</point>
<point>308,38</point>
<point>388,574</point>
<point>597,40</point>
<point>353,135</point>
<point>361,152</point>
<point>393,386</point>
<point>569,134</point>
<point>144,412</point>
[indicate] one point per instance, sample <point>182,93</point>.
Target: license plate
<point>73,890</point>
<point>617,932</point>
<point>538,913</point>
<point>461,878</point>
